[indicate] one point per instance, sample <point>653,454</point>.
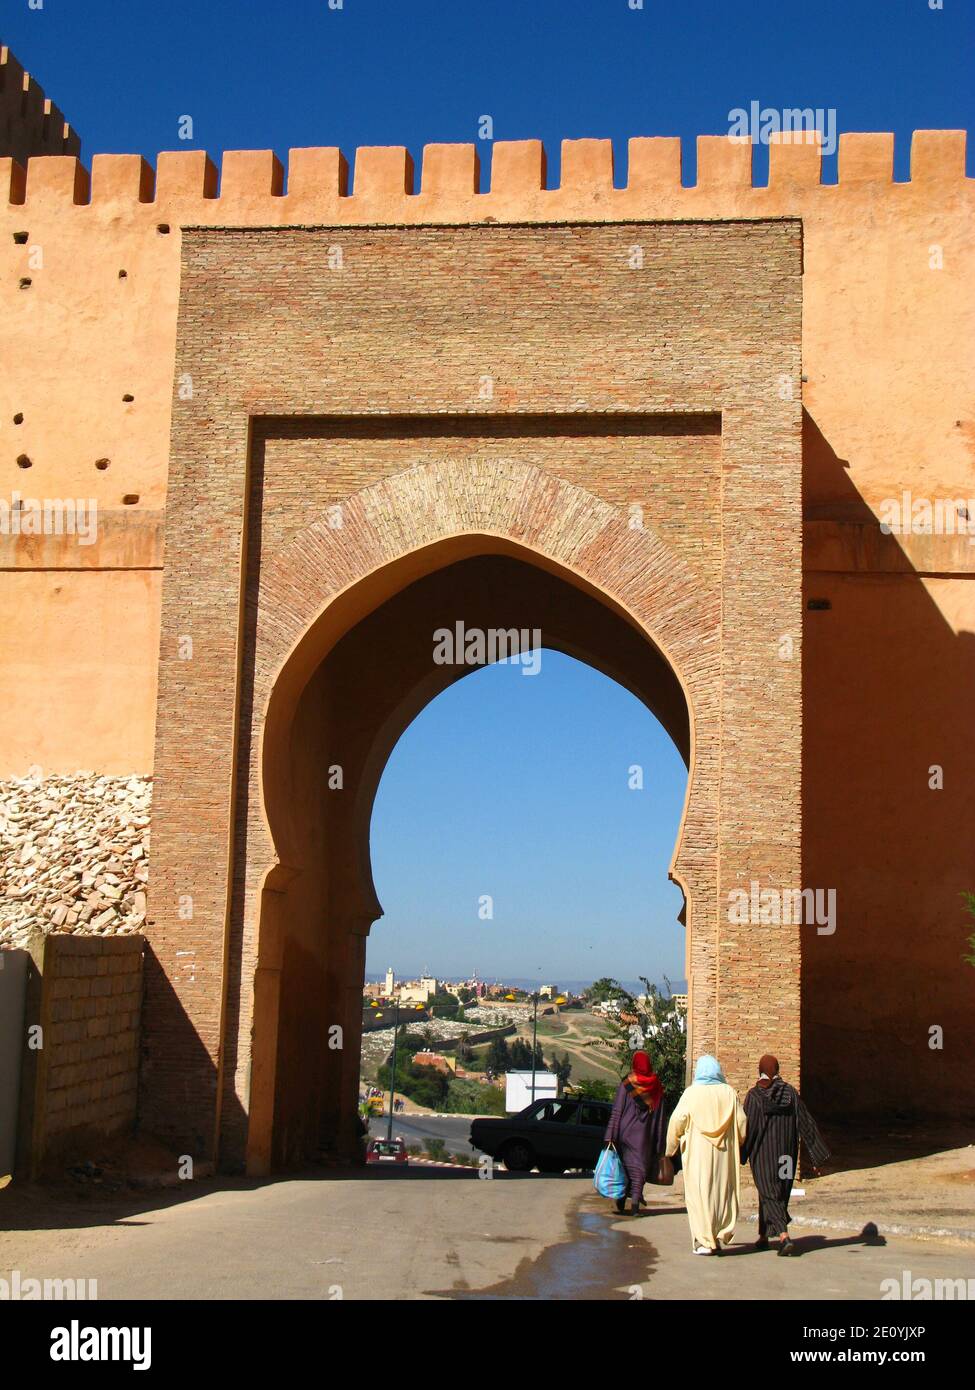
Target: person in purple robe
<point>637,1128</point>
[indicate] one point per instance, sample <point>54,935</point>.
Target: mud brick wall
<point>88,1067</point>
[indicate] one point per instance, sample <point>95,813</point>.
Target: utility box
<point>518,1088</point>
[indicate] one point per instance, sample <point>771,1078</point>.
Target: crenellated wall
<point>86,399</point>
<point>885,337</point>
<point>88,346</point>
<point>30,123</point>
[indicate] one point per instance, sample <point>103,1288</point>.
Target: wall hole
<point>25,282</point>
<point>23,461</point>
<point>128,397</point>
<point>101,464</point>
<point>130,499</point>
<point>163,228</point>
<point>18,418</point>
<point>20,238</point>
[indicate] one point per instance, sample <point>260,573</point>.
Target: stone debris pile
<point>74,855</point>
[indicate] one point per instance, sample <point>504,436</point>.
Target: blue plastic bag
<point>609,1179</point>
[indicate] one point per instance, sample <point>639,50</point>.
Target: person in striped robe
<point>777,1121</point>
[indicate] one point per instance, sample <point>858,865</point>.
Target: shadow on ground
<point>67,1205</point>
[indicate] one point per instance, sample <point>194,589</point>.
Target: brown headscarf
<point>768,1070</point>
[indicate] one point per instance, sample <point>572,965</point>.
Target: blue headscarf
<point>708,1071</point>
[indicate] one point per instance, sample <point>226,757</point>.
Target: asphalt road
<point>454,1130</point>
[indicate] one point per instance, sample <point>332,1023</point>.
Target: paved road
<point>427,1233</point>
<point>454,1130</point>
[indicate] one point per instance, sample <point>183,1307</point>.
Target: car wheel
<point>517,1157</point>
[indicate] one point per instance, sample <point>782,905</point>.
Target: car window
<point>384,1146</point>
<point>561,1111</point>
<point>594,1115</point>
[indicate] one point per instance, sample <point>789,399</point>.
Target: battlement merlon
<point>384,188</point>
<point>30,123</point>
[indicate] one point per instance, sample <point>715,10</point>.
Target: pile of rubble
<point>74,855</point>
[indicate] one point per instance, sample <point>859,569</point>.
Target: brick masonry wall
<point>410,326</point>
<point>874,313</point>
<point>664,470</point>
<point>87,1072</point>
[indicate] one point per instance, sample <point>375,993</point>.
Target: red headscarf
<point>644,1082</point>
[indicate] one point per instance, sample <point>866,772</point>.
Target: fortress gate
<point>391,430</point>
<point>324,413</point>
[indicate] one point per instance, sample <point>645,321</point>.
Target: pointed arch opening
<point>353,682</point>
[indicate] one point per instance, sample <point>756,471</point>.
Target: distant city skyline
<point>523,982</point>
<point>519,791</point>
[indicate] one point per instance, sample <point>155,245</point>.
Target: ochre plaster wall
<point>888,324</point>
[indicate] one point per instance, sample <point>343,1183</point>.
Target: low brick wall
<point>88,1067</point>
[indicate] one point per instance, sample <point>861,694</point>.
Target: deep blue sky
<point>517,786</point>
<point>506,784</point>
<point>255,74</point>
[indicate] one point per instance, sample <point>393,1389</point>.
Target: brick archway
<point>327,581</point>
<point>650,468</point>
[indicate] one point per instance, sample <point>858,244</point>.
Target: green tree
<point>499,1056</point>
<point>591,1089</point>
<point>444,1005</point>
<point>563,1069</point>
<point>660,1030</point>
<point>603,989</point>
<point>467,1097</point>
<point>476,1059</point>
<point>520,1055</point>
<point>425,1085</point>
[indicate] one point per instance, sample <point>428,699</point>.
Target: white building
<point>518,1088</point>
<point>417,991</point>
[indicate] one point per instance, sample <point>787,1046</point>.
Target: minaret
<point>390,981</point>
